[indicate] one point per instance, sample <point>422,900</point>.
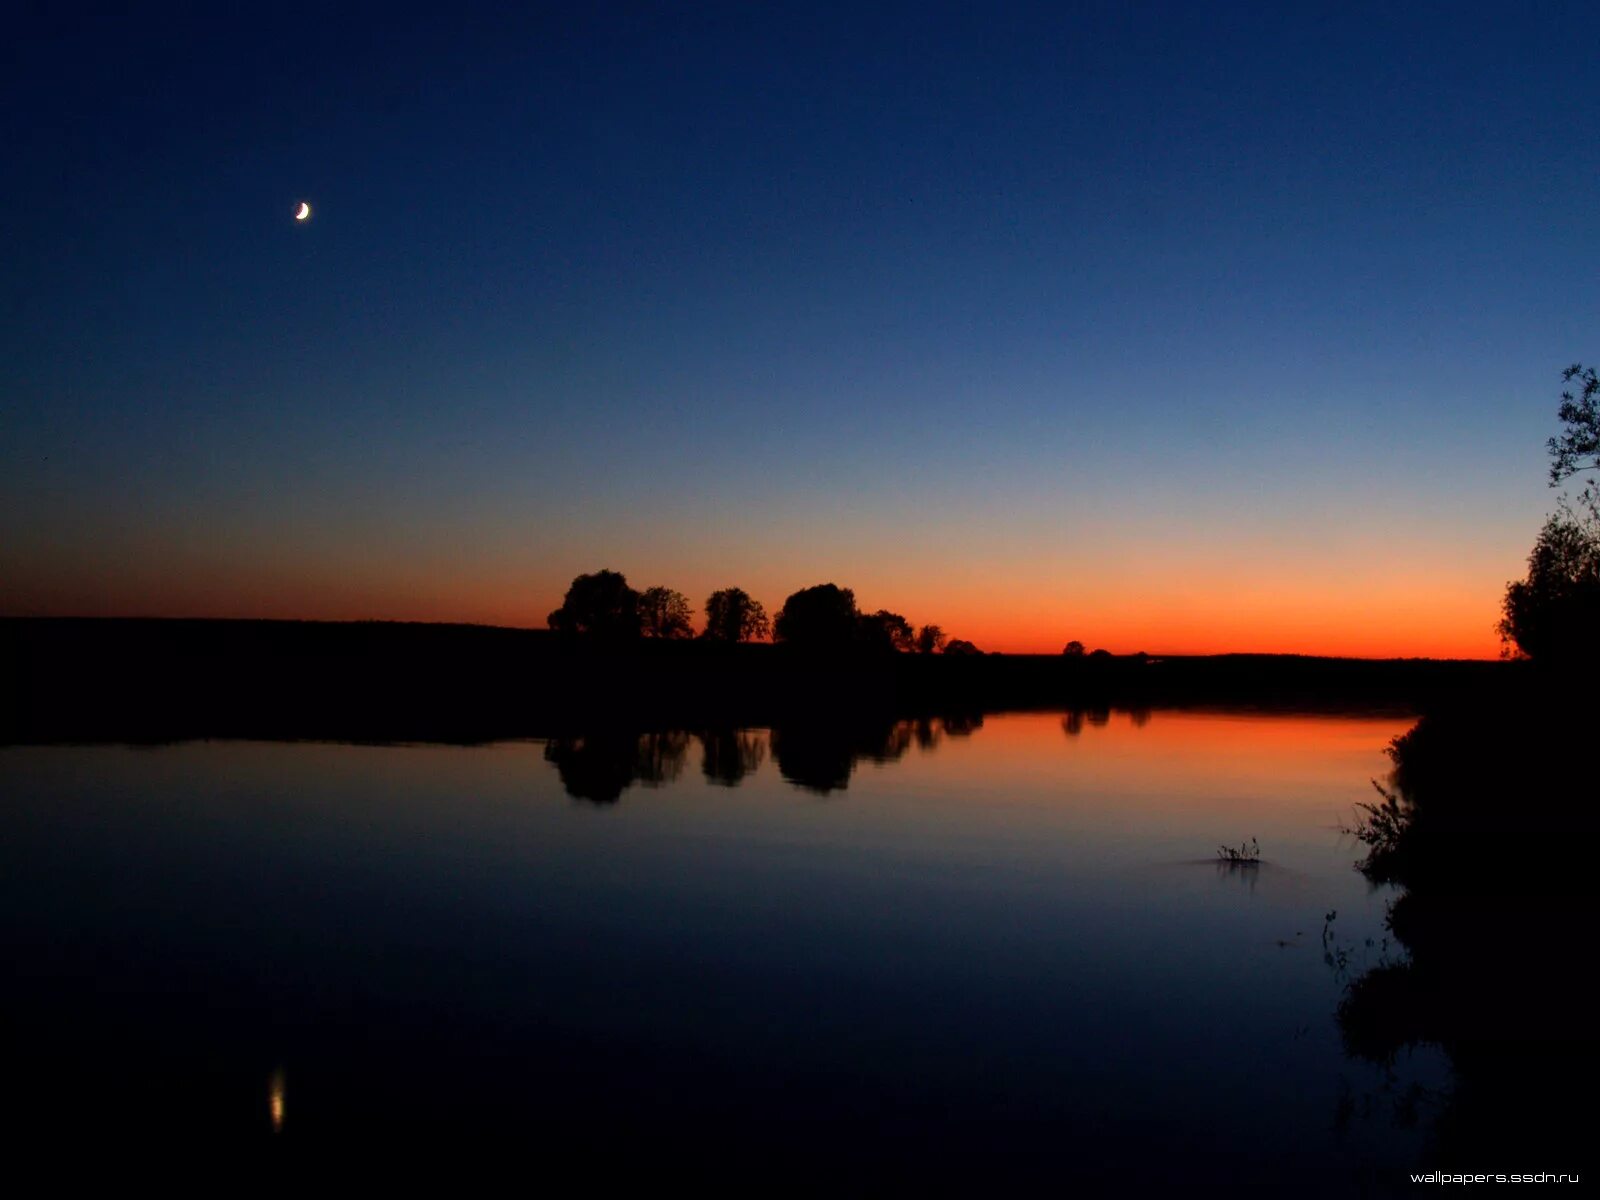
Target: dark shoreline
<point>1488,823</point>
<point>113,679</point>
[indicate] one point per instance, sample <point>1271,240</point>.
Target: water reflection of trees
<point>817,756</point>
<point>821,756</point>
<point>599,767</point>
<point>961,726</point>
<point>1098,716</point>
<point>728,755</point>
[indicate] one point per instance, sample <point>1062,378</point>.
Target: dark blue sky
<point>1043,322</point>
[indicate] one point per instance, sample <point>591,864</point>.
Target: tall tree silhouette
<point>601,604</point>
<point>732,616</point>
<point>930,639</point>
<point>1578,446</point>
<point>664,613</point>
<point>1554,614</point>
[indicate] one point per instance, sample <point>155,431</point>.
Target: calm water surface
<point>1000,947</point>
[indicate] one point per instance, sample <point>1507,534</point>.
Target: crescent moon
<point>305,211</point>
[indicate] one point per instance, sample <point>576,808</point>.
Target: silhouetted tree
<point>885,630</point>
<point>601,604</point>
<point>1073,649</point>
<point>930,639</point>
<point>1578,447</point>
<point>818,618</point>
<point>1100,655</point>
<point>1555,612</point>
<point>664,613</point>
<point>960,646</point>
<point>732,616</point>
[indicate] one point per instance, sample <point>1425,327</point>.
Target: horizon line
<point>545,629</point>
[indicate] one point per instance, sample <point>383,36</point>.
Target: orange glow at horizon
<point>1392,611</point>
<point>1453,631</point>
<point>1421,631</point>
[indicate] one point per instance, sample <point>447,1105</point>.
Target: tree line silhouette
<point>823,618</point>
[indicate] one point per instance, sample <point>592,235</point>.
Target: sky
<point>1177,328</point>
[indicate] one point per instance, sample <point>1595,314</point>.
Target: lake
<point>999,948</point>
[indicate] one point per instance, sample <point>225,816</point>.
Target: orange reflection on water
<point>1173,767</point>
<point>275,1101</point>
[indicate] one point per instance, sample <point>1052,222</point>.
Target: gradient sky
<point>1166,327</point>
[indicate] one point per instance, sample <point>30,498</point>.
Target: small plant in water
<point>1247,852</point>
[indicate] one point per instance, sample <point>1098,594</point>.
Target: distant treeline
<point>154,680</point>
